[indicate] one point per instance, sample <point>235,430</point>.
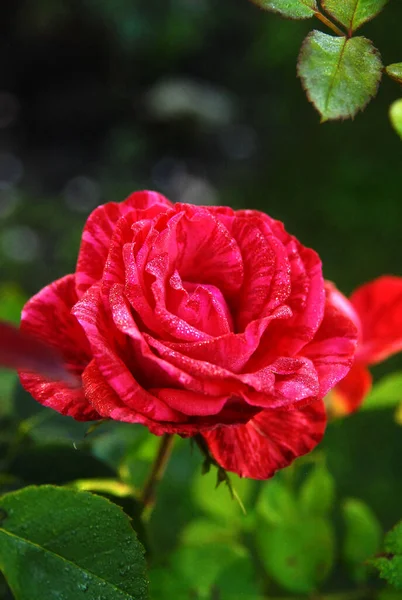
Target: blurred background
<point>198,100</point>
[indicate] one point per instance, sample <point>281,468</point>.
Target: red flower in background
<point>190,320</point>
<point>19,350</point>
<point>376,309</point>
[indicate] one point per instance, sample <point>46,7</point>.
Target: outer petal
<point>268,442</point>
<point>48,316</point>
<point>379,306</point>
<point>349,393</point>
<point>99,229</point>
<point>333,348</point>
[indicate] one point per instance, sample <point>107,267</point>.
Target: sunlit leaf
<point>294,9</point>
<point>340,75</point>
<point>390,564</point>
<point>353,13</point>
<point>395,71</point>
<point>317,492</point>
<point>395,114</point>
<point>299,555</point>
<point>362,536</point>
<point>58,543</point>
<point>387,393</point>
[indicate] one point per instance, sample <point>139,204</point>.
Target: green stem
<point>329,23</point>
<point>158,468</point>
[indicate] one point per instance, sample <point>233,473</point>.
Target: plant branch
<point>329,23</point>
<point>147,498</point>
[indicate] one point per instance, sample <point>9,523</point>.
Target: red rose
<point>193,319</point>
<point>376,309</point>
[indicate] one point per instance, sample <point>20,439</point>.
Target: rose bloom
<point>376,310</point>
<point>196,320</point>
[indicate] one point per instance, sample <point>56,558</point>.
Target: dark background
<point>199,100</point>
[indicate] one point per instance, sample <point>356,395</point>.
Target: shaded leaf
<point>387,393</point>
<point>56,464</point>
<point>317,493</point>
<point>299,555</point>
<point>395,114</point>
<point>276,504</point>
<point>353,13</point>
<point>340,75</point>
<point>362,537</point>
<point>294,9</point>
<point>57,543</point>
<point>395,71</point>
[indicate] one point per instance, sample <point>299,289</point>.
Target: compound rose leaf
<point>340,75</point>
<point>395,114</point>
<point>390,564</point>
<point>353,13</point>
<point>70,544</point>
<point>293,9</point>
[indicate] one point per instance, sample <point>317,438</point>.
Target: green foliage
<point>390,564</point>
<point>317,493</point>
<point>298,555</point>
<point>294,9</point>
<point>395,114</point>
<point>387,393</point>
<point>58,543</point>
<point>395,72</point>
<point>353,13</point>
<point>363,536</point>
<point>340,75</point>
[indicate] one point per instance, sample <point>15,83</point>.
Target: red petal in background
<point>379,306</point>
<point>268,442</point>
<point>349,393</point>
<point>20,350</point>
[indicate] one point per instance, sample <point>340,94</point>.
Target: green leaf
<point>318,492</point>
<point>217,501</point>
<point>61,544</point>
<point>390,565</point>
<point>395,114</point>
<point>340,75</point>
<point>293,9</point>
<point>353,13</point>
<point>11,302</point>
<point>299,555</point>
<point>387,393</point>
<point>362,537</point>
<point>395,71</point>
<point>276,503</point>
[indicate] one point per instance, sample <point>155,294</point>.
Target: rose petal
<point>334,346</point>
<point>99,228</point>
<point>48,316</point>
<point>111,353</point>
<point>349,393</point>
<point>105,400</point>
<point>268,442</point>
<point>379,306</point>
<point>266,271</point>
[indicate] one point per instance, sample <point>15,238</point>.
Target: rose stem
<point>329,23</point>
<point>157,471</point>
